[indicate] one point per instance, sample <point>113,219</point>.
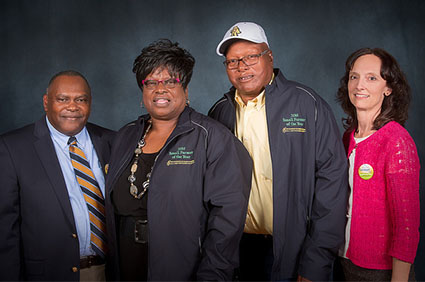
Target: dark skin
<point>67,104</point>
<point>164,106</point>
<point>249,80</point>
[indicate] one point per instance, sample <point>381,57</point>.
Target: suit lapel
<point>47,154</point>
<point>100,146</point>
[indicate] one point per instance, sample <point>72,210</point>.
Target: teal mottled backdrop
<point>100,38</point>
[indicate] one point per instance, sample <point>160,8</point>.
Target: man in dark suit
<point>50,227</point>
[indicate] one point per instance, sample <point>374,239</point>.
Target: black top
<point>124,203</point>
<point>133,256</point>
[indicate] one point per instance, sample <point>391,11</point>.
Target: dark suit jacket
<point>37,226</point>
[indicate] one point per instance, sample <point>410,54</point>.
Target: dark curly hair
<point>394,107</point>
<point>164,54</point>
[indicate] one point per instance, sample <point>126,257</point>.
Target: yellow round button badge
<point>366,171</point>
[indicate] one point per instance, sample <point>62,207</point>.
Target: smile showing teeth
<point>361,95</point>
<point>161,100</point>
<point>243,78</point>
<point>72,118</point>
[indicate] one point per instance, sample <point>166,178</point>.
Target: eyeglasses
<point>247,60</point>
<point>151,84</point>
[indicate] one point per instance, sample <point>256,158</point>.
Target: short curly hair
<point>394,107</point>
<point>68,73</point>
<point>164,54</point>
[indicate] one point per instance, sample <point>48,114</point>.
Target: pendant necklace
<point>134,191</point>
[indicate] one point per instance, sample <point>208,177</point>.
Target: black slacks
<point>256,258</point>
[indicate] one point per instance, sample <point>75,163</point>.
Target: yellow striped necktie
<point>92,195</point>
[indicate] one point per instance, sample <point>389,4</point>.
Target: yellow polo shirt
<point>251,129</point>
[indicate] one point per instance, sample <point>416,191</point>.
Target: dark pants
<point>133,255</point>
<point>256,258</point>
<point>345,270</point>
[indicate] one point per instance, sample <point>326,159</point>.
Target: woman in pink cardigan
<point>382,231</point>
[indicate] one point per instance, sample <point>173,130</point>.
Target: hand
<point>302,279</point>
<point>400,271</point>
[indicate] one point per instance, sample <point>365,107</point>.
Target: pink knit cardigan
<point>385,212</point>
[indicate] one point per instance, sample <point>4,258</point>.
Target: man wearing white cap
<point>296,212</point>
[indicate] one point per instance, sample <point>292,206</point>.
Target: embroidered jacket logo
<point>294,123</point>
<point>181,157</point>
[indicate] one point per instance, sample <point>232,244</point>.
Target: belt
<point>88,261</point>
<point>135,229</point>
<point>141,233</point>
<point>259,236</point>
<point>265,237</point>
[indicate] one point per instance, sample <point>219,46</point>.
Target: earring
<point>187,102</point>
<point>141,105</point>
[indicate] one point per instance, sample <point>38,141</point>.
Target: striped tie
<point>92,195</point>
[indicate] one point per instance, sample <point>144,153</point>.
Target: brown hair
<point>394,107</point>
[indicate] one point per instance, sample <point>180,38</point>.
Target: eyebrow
<point>68,95</point>
<point>374,73</point>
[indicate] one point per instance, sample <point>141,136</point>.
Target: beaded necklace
<point>134,191</point>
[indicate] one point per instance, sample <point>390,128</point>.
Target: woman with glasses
<point>178,182</point>
<point>382,231</point>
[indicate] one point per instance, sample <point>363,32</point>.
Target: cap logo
<point>235,31</point>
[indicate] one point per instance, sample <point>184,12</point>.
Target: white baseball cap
<point>243,30</point>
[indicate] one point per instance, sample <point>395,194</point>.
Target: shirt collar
<point>62,139</point>
<point>258,101</point>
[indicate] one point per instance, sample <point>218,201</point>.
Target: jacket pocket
<point>34,268</point>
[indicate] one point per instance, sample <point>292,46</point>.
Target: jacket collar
<point>101,146</point>
<point>40,128</point>
<point>278,84</point>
